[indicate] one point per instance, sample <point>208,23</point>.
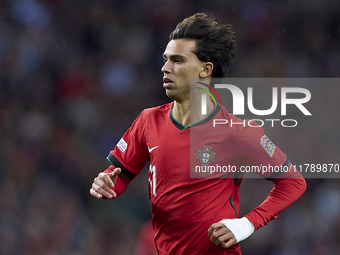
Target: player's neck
<point>188,114</point>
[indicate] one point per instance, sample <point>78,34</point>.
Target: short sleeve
<point>130,153</point>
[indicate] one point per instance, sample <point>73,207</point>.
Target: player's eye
<point>177,60</point>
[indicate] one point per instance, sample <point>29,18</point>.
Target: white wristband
<point>241,228</point>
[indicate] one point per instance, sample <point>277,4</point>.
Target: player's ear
<point>207,70</point>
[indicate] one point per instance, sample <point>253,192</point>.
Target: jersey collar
<point>201,122</point>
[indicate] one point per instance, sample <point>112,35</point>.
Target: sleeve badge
<point>268,145</point>
<point>122,145</point>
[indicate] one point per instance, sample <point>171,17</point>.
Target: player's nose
<point>166,67</point>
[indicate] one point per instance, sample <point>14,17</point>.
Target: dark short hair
<point>214,42</point>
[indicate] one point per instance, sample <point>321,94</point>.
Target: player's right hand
<point>103,184</point>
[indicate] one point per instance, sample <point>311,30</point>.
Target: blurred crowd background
<point>75,74</point>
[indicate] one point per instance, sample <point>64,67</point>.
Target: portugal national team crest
<point>206,155</point>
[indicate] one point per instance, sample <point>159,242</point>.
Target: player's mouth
<point>167,82</point>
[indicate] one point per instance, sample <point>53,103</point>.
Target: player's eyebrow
<point>174,56</point>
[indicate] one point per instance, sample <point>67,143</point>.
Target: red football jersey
<point>184,202</point>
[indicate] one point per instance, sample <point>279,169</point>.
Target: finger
<point>217,234</point>
<point>224,238</point>
<point>103,184</point>
<point>213,227</point>
<point>95,194</point>
<point>104,191</point>
<point>106,178</point>
<point>231,242</point>
<point>115,174</point>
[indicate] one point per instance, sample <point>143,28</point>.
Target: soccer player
<point>197,215</point>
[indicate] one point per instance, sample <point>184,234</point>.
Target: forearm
<point>285,192</point>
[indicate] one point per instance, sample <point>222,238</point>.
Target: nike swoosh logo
<point>152,148</point>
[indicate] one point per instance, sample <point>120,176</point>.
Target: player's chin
<point>171,93</point>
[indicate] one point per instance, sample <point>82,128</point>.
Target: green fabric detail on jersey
<point>184,127</point>
<point>109,160</point>
<point>237,176</point>
<point>233,205</point>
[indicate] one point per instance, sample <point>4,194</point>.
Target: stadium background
<point>75,74</point>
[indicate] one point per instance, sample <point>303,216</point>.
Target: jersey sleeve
<point>258,150</point>
<point>131,153</point>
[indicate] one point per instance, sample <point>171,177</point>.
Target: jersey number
<point>152,179</point>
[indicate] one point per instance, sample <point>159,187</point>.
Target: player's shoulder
<point>157,111</point>
<point>241,128</point>
<point>151,117</point>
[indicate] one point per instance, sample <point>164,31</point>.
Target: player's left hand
<point>220,234</point>
<point>230,231</point>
